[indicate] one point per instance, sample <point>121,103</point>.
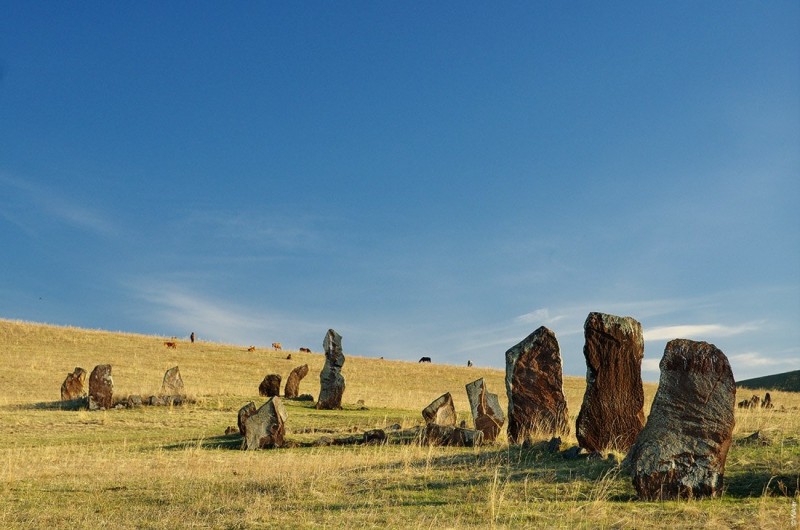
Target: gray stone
<point>441,411</point>
<point>331,380</point>
<point>612,413</point>
<point>682,449</point>
<point>244,413</point>
<point>487,413</point>
<point>101,388</point>
<point>172,383</point>
<point>267,427</point>
<point>536,402</point>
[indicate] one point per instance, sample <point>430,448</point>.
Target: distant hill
<point>788,382</point>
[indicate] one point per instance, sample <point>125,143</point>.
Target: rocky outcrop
<point>331,380</point>
<point>441,411</point>
<point>487,414</point>
<point>681,452</point>
<point>172,385</point>
<point>266,428</point>
<point>101,388</point>
<point>270,386</point>
<point>536,402</point>
<point>74,386</point>
<point>292,388</point>
<point>612,413</point>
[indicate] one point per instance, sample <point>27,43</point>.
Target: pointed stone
<point>74,386</point>
<point>682,449</point>
<point>441,411</point>
<point>331,380</point>
<point>292,388</point>
<point>536,402</point>
<point>172,384</point>
<point>612,413</point>
<point>487,414</point>
<point>266,428</point>
<point>101,388</point>
<point>270,386</point>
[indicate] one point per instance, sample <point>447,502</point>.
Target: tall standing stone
<point>270,386</point>
<point>292,388</point>
<point>266,428</point>
<point>74,386</point>
<point>487,414</point>
<point>682,449</point>
<point>536,402</point>
<point>172,385</point>
<point>441,411</point>
<point>101,388</point>
<point>331,380</point>
<point>612,413</point>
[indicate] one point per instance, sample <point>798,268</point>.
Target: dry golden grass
<point>162,467</point>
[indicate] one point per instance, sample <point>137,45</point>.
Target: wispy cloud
<point>757,359</point>
<point>24,200</point>
<point>697,331</point>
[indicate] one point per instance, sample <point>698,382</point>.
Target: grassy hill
<point>173,467</point>
<point>788,382</point>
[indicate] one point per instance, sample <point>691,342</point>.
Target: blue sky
<point>426,179</point>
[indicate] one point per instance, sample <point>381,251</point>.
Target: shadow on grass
<point>756,483</point>
<point>72,404</point>
<point>224,441</point>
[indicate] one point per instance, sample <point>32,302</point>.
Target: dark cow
<point>469,363</point>
<point>305,350</point>
<point>425,360</point>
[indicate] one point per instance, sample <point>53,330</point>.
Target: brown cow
<point>305,350</point>
<point>276,345</point>
<point>171,344</point>
<point>251,349</point>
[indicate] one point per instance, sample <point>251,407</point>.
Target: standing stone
<point>441,411</point>
<point>173,383</point>
<point>244,413</point>
<point>74,386</point>
<point>612,413</point>
<point>681,452</point>
<point>270,386</point>
<point>292,388</point>
<point>536,402</point>
<point>487,414</point>
<point>331,380</point>
<point>266,428</point>
<point>101,388</point>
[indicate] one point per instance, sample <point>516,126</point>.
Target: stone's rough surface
<point>487,414</point>
<point>681,451</point>
<point>244,413</point>
<point>101,388</point>
<point>74,386</point>
<point>270,386</point>
<point>173,383</point>
<point>536,402</point>
<point>265,428</point>
<point>331,380</point>
<point>292,388</point>
<point>441,411</point>
<point>449,435</point>
<point>612,413</point>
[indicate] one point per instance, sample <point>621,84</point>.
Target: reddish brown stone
<point>101,388</point>
<point>292,388</point>
<point>486,411</point>
<point>270,386</point>
<point>536,402</point>
<point>244,413</point>
<point>681,452</point>
<point>612,413</point>
<point>441,411</point>
<point>74,386</point>
<point>331,380</point>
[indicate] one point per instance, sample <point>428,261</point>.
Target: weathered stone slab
<point>292,388</point>
<point>270,386</point>
<point>74,386</point>
<point>449,435</point>
<point>266,428</point>
<point>681,452</point>
<point>441,411</point>
<point>612,413</point>
<point>244,413</point>
<point>487,414</point>
<point>172,384</point>
<point>536,402</point>
<point>101,388</point>
<point>331,380</point>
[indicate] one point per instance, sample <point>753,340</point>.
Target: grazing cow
<point>425,360</point>
<point>251,349</point>
<point>469,363</point>
<point>305,350</point>
<point>276,345</point>
<point>171,344</point>
<point>191,337</point>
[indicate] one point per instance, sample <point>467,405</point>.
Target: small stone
<point>375,436</point>
<point>135,400</point>
<point>554,445</point>
<point>74,386</point>
<point>270,386</point>
<point>572,453</point>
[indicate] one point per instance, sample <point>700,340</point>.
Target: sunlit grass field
<point>173,467</point>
